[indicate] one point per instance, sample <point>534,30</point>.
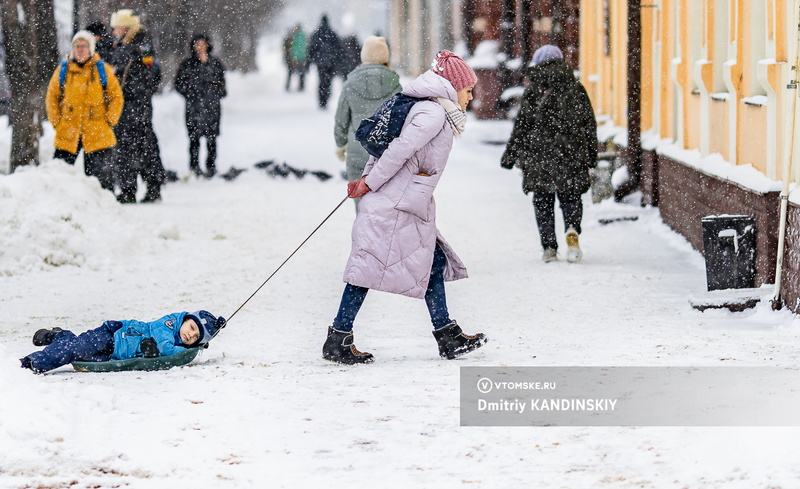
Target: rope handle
<point>225,322</point>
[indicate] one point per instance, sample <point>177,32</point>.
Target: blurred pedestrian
<point>134,60</point>
<point>362,93</point>
<point>554,142</point>
<point>84,102</point>
<point>325,51</point>
<point>103,41</point>
<point>351,55</point>
<point>295,55</point>
<point>396,245</point>
<point>201,81</point>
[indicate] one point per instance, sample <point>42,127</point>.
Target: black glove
<point>149,348</point>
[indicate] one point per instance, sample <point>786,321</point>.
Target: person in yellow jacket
<point>83,111</point>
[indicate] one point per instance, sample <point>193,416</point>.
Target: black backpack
<point>376,132</point>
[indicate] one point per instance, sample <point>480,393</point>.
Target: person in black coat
<point>134,61</point>
<point>351,55</point>
<point>325,51</point>
<point>554,142</point>
<point>103,41</point>
<point>201,81</point>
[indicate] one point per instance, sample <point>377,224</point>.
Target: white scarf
<point>456,117</point>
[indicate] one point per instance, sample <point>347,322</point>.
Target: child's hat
<point>208,324</point>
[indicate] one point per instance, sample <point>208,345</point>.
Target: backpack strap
<point>101,72</point>
<point>62,74</point>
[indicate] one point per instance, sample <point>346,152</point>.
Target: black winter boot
<point>454,343</point>
<point>44,337</point>
<point>153,194</point>
<point>339,348</point>
<point>126,198</point>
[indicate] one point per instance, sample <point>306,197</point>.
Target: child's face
<point>189,332</point>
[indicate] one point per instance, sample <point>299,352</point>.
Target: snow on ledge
<point>715,165</point>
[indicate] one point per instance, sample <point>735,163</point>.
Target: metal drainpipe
<point>633,153</point>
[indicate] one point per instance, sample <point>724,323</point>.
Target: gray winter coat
<point>363,92</point>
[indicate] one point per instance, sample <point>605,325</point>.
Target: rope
<point>281,265</point>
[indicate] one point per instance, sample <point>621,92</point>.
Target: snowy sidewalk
<point>260,408</point>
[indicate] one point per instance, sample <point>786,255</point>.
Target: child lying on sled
<point>121,340</point>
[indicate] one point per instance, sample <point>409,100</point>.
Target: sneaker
<point>574,253</point>
<point>339,348</point>
<point>454,343</point>
<point>550,254</point>
<point>44,337</point>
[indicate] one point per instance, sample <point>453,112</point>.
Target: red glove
<point>357,188</point>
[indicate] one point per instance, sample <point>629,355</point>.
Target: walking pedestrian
<point>295,55</point>
<point>201,81</point>
<point>325,51</point>
<point>396,246</point>
<point>84,103</point>
<point>554,142</point>
<point>103,40</point>
<point>362,93</point>
<point>134,60</point>
<point>351,55</point>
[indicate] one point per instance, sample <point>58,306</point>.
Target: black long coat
<point>139,74</point>
<point>554,139</point>
<point>325,47</point>
<point>203,86</point>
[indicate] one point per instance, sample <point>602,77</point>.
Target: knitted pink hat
<point>454,69</point>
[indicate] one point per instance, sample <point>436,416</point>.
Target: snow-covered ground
<point>260,408</point>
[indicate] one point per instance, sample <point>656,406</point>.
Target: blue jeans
<point>353,297</point>
<point>95,345</point>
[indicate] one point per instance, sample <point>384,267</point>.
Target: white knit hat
<point>86,36</point>
<point>375,50</point>
<point>124,18</point>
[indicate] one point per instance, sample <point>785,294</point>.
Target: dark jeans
<point>544,205</point>
<point>353,297</point>
<point>301,75</point>
<point>138,154</point>
<point>194,153</point>
<point>325,80</point>
<point>95,345</point>
<point>95,164</point>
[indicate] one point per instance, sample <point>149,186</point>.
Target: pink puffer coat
<point>394,234</point>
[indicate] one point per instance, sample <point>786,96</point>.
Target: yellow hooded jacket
<point>84,111</point>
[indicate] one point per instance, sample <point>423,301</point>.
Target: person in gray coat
<point>363,92</point>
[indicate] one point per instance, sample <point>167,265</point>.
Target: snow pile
<point>53,215</point>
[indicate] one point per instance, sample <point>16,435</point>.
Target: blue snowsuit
<point>114,340</point>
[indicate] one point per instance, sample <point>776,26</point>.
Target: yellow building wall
<point>692,124</point>
<point>718,117</point>
<point>754,126</point>
<point>720,44</point>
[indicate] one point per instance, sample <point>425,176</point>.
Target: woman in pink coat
<point>396,246</point>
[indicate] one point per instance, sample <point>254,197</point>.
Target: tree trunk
<point>29,37</point>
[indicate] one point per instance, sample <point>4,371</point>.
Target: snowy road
<point>260,408</point>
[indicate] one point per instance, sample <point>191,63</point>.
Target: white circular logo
<point>484,385</point>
